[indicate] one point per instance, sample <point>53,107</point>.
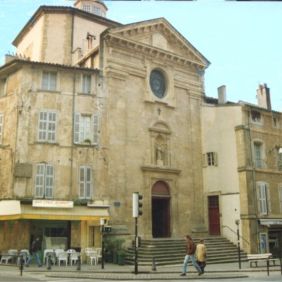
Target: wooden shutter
<point>95,129</point>
<point>49,181</point>
<point>76,127</point>
<point>39,180</point>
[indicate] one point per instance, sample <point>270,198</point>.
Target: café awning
<point>51,210</point>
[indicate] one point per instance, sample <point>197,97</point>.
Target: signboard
<point>52,204</point>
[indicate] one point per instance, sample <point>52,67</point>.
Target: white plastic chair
<point>99,254</point>
<point>62,256</point>
<point>46,252</point>
<point>93,257</point>
<point>10,256</point>
<point>74,258</point>
<point>57,252</point>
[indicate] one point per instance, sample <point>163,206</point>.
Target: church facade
<point>92,111</point>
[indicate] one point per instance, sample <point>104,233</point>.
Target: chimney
<point>263,96</point>
<point>221,91</point>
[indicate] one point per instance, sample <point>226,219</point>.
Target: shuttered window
<point>44,181</point>
<point>86,129</point>
<point>263,197</point>
<point>85,182</point>
<point>47,126</point>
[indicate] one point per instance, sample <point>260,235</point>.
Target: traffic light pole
<point>136,247</point>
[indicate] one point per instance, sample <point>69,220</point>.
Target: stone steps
<point>172,251</point>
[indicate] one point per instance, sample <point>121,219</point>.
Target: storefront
<point>271,239</point>
<point>59,224</point>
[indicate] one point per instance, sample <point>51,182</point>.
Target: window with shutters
<point>47,126</point>
<point>85,182</point>
<point>263,198</point>
<point>86,84</point>
<point>1,127</point>
<point>210,159</point>
<point>280,197</point>
<point>49,81</point>
<point>44,181</point>
<point>86,129</point>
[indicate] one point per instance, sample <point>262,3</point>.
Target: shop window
<point>263,243</point>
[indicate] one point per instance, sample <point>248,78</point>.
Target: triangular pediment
<point>160,34</point>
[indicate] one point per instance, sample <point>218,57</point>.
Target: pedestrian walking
<point>35,252</point>
<point>201,255</point>
<point>190,255</point>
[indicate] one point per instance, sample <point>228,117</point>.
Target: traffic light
<point>136,204</point>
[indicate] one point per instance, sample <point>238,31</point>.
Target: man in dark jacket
<point>35,251</point>
<point>190,255</point>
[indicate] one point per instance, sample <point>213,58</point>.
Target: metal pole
<point>103,254</point>
<point>239,253</point>
<point>21,264</point>
<point>136,247</point>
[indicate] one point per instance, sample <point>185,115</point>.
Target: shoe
<point>183,274</point>
<point>200,273</point>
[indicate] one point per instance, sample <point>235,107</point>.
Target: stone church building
<point>91,111</point>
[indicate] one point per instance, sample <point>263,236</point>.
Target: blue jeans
<point>193,260</point>
<point>37,258</point>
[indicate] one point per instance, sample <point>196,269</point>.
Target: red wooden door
<point>214,220</point>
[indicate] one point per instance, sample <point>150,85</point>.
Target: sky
<point>242,40</point>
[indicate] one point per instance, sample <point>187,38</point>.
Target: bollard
<point>267,266</point>
<point>21,264</point>
<point>49,263</point>
<point>78,263</point>
<point>154,265</point>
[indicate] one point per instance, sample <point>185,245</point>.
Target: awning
<point>13,210</point>
<point>271,221</point>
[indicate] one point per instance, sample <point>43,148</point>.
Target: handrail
<point>226,226</point>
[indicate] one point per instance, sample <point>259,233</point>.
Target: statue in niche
<point>160,153</point>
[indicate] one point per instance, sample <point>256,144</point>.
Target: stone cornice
<point>157,169</point>
<point>139,47</point>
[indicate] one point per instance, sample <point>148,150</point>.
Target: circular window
<point>158,83</point>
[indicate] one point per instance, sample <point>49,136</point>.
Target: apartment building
<point>242,170</point>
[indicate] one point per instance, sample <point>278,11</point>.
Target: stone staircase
<point>171,251</point>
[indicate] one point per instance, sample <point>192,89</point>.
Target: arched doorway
<point>160,210</point>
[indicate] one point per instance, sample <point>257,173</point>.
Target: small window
<point>44,181</point>
<point>86,8</point>
<point>1,127</point>
<point>86,83</point>
<point>47,127</point>
<point>49,81</point>
<point>258,155</point>
<point>256,117</point>
<point>210,159</point>
<point>85,182</point>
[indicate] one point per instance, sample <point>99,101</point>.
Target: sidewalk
<point>116,272</point>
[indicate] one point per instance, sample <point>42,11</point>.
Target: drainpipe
<point>253,177</point>
<point>72,135</point>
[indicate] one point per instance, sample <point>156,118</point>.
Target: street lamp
<point>102,224</point>
<point>237,222</point>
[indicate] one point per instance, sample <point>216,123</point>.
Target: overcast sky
<point>242,40</point>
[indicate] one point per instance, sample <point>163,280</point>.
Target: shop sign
<point>271,222</point>
<point>52,204</point>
